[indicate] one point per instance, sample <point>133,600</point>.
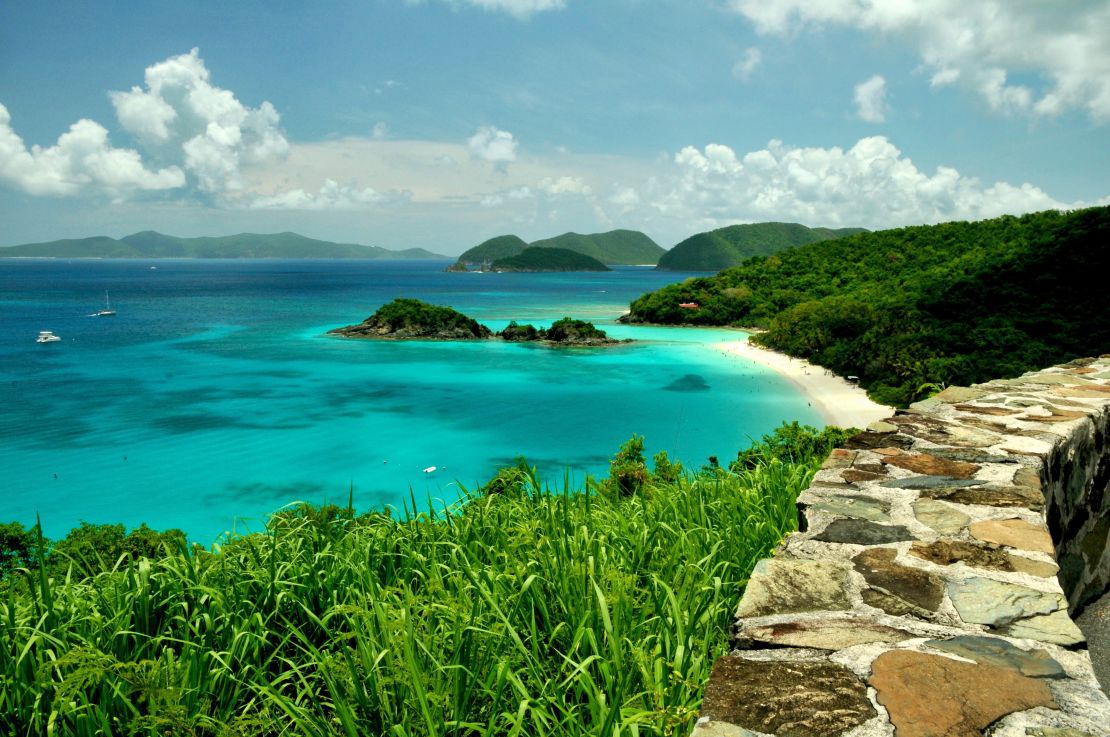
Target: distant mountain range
<point>615,247</point>
<point>732,245</point>
<point>150,244</point>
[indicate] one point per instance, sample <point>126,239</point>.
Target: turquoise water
<point>214,397</point>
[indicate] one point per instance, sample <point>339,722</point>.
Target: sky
<point>440,123</point>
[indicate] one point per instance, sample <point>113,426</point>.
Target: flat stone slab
<point>934,696</point>
<point>991,496</point>
<point>978,555</point>
<point>857,507</point>
<point>1002,654</point>
<point>824,634</point>
<point>787,699</point>
<point>1056,627</point>
<point>931,482</point>
<point>1016,533</point>
<point>779,586</point>
<point>916,587</point>
<point>997,603</point>
<point>931,465</point>
<point>863,532</point>
<point>944,518</point>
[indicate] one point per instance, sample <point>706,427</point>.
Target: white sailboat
<point>46,336</point>
<point>107,311</point>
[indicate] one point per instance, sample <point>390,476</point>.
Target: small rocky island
<point>411,319</point>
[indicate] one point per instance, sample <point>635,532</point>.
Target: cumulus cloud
<point>495,146</point>
<point>181,116</point>
<point>81,160</point>
<point>331,196</point>
<point>978,45</point>
<point>564,185</point>
<point>745,65</point>
<point>519,9</point>
<point>870,100</point>
<point>871,184</point>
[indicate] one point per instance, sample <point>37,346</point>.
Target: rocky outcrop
<point>411,319</point>
<point>930,590</point>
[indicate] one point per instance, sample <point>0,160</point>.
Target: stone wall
<point>925,595</point>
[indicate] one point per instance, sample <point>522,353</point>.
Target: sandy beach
<point>838,400</point>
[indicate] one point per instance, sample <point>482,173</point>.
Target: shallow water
<point>214,398</point>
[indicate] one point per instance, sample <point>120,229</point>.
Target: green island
<point>622,247</point>
<point>911,310</point>
<point>411,319</point>
<point>523,609</point>
<point>536,259</point>
<point>732,245</point>
<point>150,244</point>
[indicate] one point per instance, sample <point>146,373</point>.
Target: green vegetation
<point>489,251</point>
<point>629,247</point>
<point>569,330</point>
<point>614,247</point>
<point>515,333</point>
<point>523,611</point>
<point>548,259</point>
<point>913,309</point>
<point>149,244</point>
<point>411,318</point>
<point>732,245</point>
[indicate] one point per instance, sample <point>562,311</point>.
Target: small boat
<point>46,336</point>
<point>107,311</point>
<point>430,469</point>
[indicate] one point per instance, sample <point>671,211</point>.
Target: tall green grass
<point>527,612</point>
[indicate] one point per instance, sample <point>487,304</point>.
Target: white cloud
<point>870,97</point>
<point>182,117</point>
<point>519,9</point>
<point>564,185</point>
<point>745,65</point>
<point>872,184</point>
<point>493,145</point>
<point>331,196</point>
<point>978,45</point>
<point>81,160</point>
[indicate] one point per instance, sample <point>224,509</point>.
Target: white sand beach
<point>838,400</point>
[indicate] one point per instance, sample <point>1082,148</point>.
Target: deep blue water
<point>214,398</point>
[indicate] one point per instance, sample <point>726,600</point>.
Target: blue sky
<point>440,123</point>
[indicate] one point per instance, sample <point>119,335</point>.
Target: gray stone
<point>872,440</point>
<point>946,433</point>
<point>787,699</point>
<point>881,426</point>
<point>941,517</point>
<point>862,532</point>
<point>1001,653</point>
<point>997,603</point>
<point>779,586</point>
<point>931,482</point>
<point>1056,627</point>
<point>852,506</point>
<point>1056,732</point>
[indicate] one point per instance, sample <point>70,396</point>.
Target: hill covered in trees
<point>627,247</point>
<point>534,258</point>
<point>151,244</point>
<point>734,244</point>
<point>911,309</point>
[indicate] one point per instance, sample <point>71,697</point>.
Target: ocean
<point>214,398</point>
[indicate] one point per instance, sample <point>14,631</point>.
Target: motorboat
<point>46,336</point>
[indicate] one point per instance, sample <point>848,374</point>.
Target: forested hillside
<point>151,244</point>
<point>614,247</point>
<point>911,309</point>
<point>734,244</point>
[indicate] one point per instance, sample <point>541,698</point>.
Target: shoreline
<point>837,400</point>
